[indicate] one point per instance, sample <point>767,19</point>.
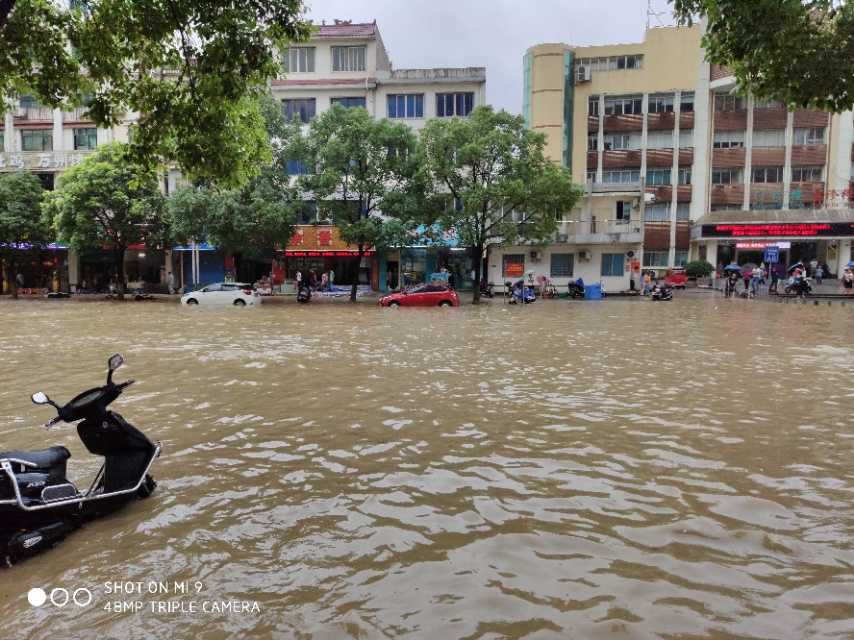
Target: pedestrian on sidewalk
<point>331,279</point>
<point>324,282</point>
<point>170,282</point>
<point>298,279</point>
<point>819,273</point>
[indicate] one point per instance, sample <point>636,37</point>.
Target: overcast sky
<point>491,33</point>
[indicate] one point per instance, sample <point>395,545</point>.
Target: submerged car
<point>238,294</point>
<point>427,295</point>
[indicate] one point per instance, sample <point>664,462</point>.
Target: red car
<point>427,295</point>
<point>676,278</point>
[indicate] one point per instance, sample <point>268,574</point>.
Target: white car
<point>234,293</point>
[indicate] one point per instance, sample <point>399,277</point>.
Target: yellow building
<point>676,166</point>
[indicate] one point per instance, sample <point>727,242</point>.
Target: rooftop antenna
<point>652,13</point>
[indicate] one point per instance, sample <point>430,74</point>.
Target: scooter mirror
<point>40,398</point>
<point>115,362</point>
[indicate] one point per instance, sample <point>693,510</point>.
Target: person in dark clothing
<point>452,280</point>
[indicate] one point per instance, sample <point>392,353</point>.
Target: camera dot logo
<point>36,597</point>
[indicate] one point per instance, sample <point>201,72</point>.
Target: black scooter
<point>39,505</point>
<point>662,293</point>
<point>304,295</point>
<point>800,287</point>
<point>576,289</point>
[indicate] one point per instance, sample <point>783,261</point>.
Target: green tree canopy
<point>108,201</point>
<point>488,178</point>
<point>361,172</point>
<point>21,223</point>
<point>797,51</point>
<point>187,66</point>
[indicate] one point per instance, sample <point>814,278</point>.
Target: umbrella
<point>797,265</point>
<point>851,265</point>
<point>732,267</point>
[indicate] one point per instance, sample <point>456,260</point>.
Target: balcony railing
<point>38,113</point>
<point>598,231</point>
<point>78,114</point>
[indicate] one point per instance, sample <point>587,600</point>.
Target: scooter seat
<point>42,458</point>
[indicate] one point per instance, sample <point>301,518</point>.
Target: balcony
<point>686,119</point>
<point>78,114</point>
<point>659,157</point>
<point>810,118</point>
<point>623,123</point>
<point>770,118</point>
<point>728,158</point>
<point>34,113</point>
<point>660,121</point>
<point>727,194</point>
<point>621,158</point>
<point>804,155</point>
<point>768,156</point>
<point>596,231</point>
<point>592,124</point>
<point>731,120</point>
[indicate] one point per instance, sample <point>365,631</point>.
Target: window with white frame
<point>725,207</point>
<point>348,58</point>
<point>683,211</point>
<point>807,174</point>
<point>728,139</point>
<point>684,175</point>
<point>767,174</point>
<point>811,135</point>
<point>613,63</point>
<point>686,138</point>
<point>593,106</point>
<point>591,176</point>
<point>658,212</point>
<point>680,258</point>
<point>454,104</point>
<point>620,176</point>
<point>409,105</point>
<point>659,140</point>
<point>726,176</point>
<point>623,105</point>
<point>767,104</point>
<point>36,140</point>
<point>726,102</point>
<point>298,60</point>
<point>658,177</point>
<point>686,101</point>
<point>613,264</point>
<point>655,258</point>
<point>769,138</point>
<point>623,211</point>
<point>617,141</point>
<point>592,142</point>
<point>660,103</point>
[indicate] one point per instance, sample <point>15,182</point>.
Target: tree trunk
<point>478,263</point>
<point>120,270</point>
<point>356,279</point>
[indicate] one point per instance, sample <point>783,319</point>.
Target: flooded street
<point>621,469</point>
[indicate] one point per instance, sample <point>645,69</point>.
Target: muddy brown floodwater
<point>621,469</point>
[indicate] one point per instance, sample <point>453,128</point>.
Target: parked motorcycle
<point>39,505</point>
<point>662,293</point>
<point>799,287</point>
<point>576,289</point>
<point>304,295</point>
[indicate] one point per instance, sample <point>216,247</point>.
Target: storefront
<point>320,249</point>
<point>751,237</point>
<point>431,251</point>
<point>40,268</point>
<point>199,264</point>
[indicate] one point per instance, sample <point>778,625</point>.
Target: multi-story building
<point>348,64</point>
<point>675,166</point>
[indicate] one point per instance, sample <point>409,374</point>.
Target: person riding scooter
<point>662,292</point>
<point>576,289</point>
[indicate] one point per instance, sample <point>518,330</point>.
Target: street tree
<point>489,179</point>
<point>108,201</point>
<point>798,51</point>
<point>189,67</point>
<point>22,228</point>
<point>361,171</point>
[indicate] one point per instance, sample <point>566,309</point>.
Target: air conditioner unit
<point>649,198</point>
<point>582,73</point>
<point>563,237</point>
<point>584,255</point>
<point>536,256</point>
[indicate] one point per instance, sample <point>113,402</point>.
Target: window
<point>296,168</point>
<point>684,175</point>
<point>85,138</point>
<point>620,106</point>
<point>591,176</point>
<point>612,264</point>
<point>659,140</point>
<point>348,103</point>
<point>683,211</point>
<point>726,176</point>
<point>454,104</point>
<point>623,211</point>
<point>659,212</point>
<point>348,58</point>
<point>29,102</point>
<point>658,177</point>
<point>406,105</point>
<point>661,103</point>
<point>767,104</point>
<point>36,140</point>
<point>655,258</point>
<point>593,142</point>
<point>813,135</point>
<point>724,102</point>
<point>302,108</point>
<point>620,176</point>
<point>806,174</point>
<point>681,258</point>
<point>513,265</point>
<point>686,138</point>
<point>686,101</point>
<point>593,106</point>
<point>613,63</point>
<point>298,60</point>
<point>725,207</point>
<point>769,138</point>
<point>728,139</point>
<point>767,174</point>
<point>562,265</point>
<point>617,141</point>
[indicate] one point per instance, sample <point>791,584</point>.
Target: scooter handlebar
<point>53,421</point>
